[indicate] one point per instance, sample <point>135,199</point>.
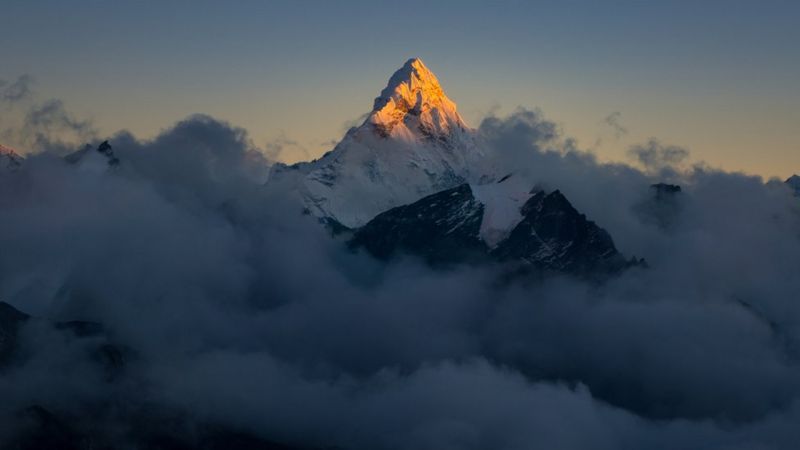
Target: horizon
<point>722,89</point>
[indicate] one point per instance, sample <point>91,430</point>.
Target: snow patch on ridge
<point>502,202</point>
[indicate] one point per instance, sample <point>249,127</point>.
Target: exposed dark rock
<point>104,149</point>
<point>441,228</point>
<point>445,228</point>
<point>553,235</point>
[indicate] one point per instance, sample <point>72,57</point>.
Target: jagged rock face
<point>106,150</point>
<point>446,227</point>
<point>555,236</point>
<point>99,159</point>
<point>442,227</point>
<point>412,144</point>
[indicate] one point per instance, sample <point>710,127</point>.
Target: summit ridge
<point>413,98</point>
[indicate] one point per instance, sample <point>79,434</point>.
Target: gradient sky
<point>717,77</point>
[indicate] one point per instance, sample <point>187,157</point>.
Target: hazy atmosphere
<point>351,225</point>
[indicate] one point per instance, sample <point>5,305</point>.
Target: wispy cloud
<point>614,120</point>
<point>18,90</point>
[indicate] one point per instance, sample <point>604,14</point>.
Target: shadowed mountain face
<point>445,228</point>
<point>442,228</point>
<point>555,236</point>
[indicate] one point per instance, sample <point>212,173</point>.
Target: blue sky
<point>718,77</point>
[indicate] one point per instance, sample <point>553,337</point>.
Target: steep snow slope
<point>502,204</point>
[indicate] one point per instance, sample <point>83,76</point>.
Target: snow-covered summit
<point>412,144</point>
<point>413,102</point>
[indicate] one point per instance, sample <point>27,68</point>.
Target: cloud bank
<point>230,307</point>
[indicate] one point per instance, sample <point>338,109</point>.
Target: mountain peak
<point>413,143</point>
<point>413,77</point>
<point>414,97</point>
